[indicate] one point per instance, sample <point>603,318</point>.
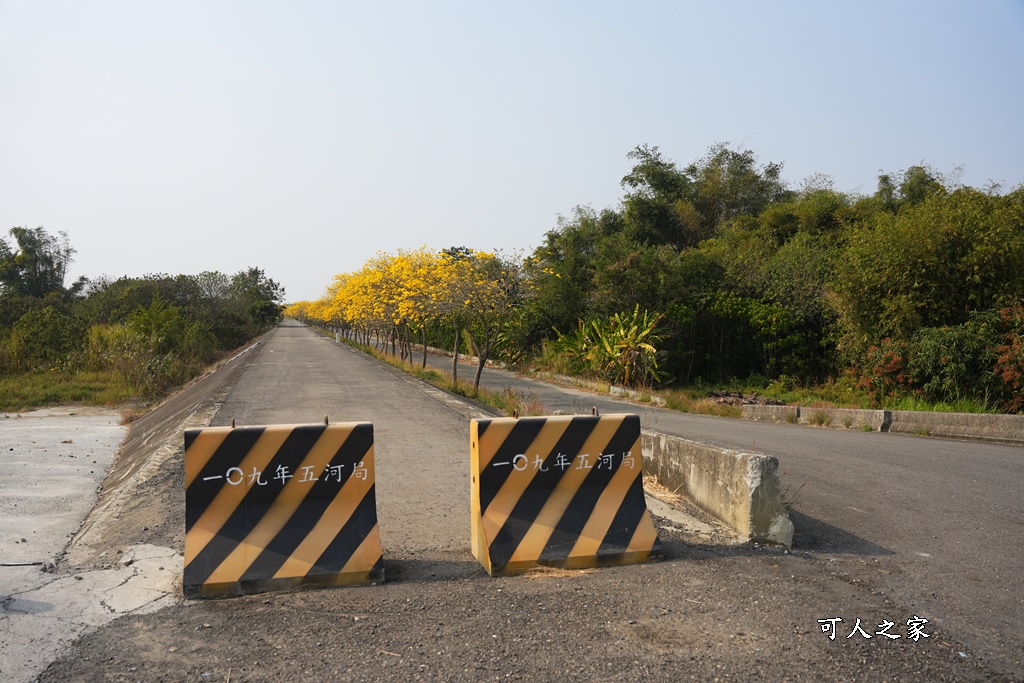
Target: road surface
<point>707,610</point>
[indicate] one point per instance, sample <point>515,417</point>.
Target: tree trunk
<point>483,352</point>
<point>424,344</point>
<point>479,370</point>
<point>455,358</point>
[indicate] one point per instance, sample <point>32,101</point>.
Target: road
<point>948,514</point>
<point>707,610</point>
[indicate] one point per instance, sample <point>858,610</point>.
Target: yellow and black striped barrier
<point>269,508</point>
<point>562,491</point>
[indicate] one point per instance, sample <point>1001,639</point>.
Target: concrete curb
<point>596,387</point>
<point>973,426</point>
<point>740,489</point>
<point>967,426</point>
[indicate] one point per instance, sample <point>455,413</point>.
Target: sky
<point>302,137</point>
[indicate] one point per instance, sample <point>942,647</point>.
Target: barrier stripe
<point>205,441</point>
<point>513,438</point>
<point>559,490</point>
<point>224,515</point>
<point>645,537</point>
<point>321,544</point>
<point>259,539</point>
<point>513,494</point>
<point>551,515</point>
<point>585,501</point>
<point>607,508</point>
<point>273,507</point>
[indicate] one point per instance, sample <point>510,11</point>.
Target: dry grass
<point>709,406</point>
<point>131,414</point>
<point>542,571</point>
<point>658,490</point>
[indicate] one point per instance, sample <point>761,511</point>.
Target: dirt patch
<point>154,514</point>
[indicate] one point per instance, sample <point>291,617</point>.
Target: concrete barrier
<point>975,426</point>
<point>844,418</point>
<point>970,426</point>
<point>837,418</point>
<point>789,414</point>
<point>280,506</point>
<point>740,489</point>
<point>562,491</point>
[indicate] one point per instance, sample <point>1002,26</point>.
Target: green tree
<point>562,269</point>
<point>681,207</point>
<point>39,264</point>
<point>493,291</point>
<point>932,264</point>
<point>161,324</point>
<point>257,298</point>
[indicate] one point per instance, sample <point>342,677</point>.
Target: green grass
<point>39,389</point>
<point>955,405</point>
<point>843,394</point>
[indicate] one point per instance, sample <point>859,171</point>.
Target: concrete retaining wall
<point>740,489</point>
<point>981,426</point>
<point>975,426</point>
<point>789,414</point>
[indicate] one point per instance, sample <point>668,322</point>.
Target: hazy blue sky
<point>302,137</point>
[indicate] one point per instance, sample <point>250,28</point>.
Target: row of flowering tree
<point>394,297</point>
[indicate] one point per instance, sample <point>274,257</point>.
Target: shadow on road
<point>815,535</point>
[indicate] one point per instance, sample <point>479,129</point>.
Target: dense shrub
<point>1009,368</point>
<point>44,337</point>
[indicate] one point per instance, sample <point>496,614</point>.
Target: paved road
<point>949,514</point>
<point>708,611</point>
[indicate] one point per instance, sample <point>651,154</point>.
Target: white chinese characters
<point>915,629</point>
<point>583,461</point>
<point>305,474</point>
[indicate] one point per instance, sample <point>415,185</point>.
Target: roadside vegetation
<point>115,342</point>
<point>507,402</point>
<point>718,275</point>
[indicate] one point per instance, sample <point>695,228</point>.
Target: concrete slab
<point>52,465</point>
<point>45,613</point>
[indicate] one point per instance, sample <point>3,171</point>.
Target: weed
<point>789,496</point>
<point>866,428</point>
<point>820,418</point>
<point>131,414</point>
<point>847,421</point>
<point>707,406</point>
<point>541,571</point>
